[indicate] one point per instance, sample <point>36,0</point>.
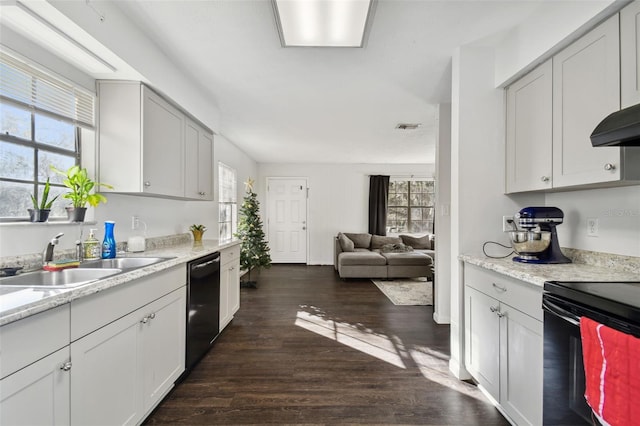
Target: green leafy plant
<point>80,186</point>
<point>200,228</point>
<point>45,204</point>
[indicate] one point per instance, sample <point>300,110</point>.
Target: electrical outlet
<point>135,222</point>
<point>592,227</point>
<point>508,224</point>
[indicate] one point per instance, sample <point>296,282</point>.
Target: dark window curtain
<point>378,202</point>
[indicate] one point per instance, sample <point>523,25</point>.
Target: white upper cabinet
<point>198,162</point>
<point>529,135</point>
<point>586,88</point>
<point>147,144</point>
<point>630,54</point>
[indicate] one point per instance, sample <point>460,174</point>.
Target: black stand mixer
<point>537,240</point>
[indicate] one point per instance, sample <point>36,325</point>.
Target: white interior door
<point>287,219</point>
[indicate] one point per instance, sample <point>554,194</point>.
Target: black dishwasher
<point>203,307</point>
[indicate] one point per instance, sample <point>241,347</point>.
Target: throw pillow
<point>424,242</point>
<point>359,240</point>
<point>345,243</point>
<point>378,241</point>
<point>395,248</point>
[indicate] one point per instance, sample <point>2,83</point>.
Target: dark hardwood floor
<point>309,348</point>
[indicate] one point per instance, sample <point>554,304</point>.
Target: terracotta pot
<point>37,215</point>
<point>76,214</point>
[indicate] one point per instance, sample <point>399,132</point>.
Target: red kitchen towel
<point>612,373</point>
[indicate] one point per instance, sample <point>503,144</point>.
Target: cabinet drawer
<point>229,254</point>
<point>28,340</point>
<point>518,294</point>
<point>95,311</point>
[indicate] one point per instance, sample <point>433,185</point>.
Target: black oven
<point>616,305</point>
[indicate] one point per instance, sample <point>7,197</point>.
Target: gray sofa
<point>359,255</point>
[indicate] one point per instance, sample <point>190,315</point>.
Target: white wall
<point>442,302</point>
<point>338,198</point>
<point>550,28</point>
<point>618,214</point>
<point>477,166</point>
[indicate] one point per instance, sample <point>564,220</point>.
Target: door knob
<point>66,366</point>
<point>609,166</point>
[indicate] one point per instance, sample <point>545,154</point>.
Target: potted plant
<point>40,212</point>
<point>197,231</point>
<point>80,186</point>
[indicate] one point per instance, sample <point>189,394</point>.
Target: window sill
<point>61,222</point>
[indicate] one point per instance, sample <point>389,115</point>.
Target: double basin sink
<point>89,271</point>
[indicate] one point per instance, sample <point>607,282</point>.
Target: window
<point>228,207</point>
<point>411,206</point>
<point>40,119</point>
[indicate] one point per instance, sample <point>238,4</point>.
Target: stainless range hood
<point>622,128</point>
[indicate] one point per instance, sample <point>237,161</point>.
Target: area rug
<point>407,291</point>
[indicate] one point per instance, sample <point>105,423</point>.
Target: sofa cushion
<point>359,240</point>
<point>395,248</point>
<point>409,258</point>
<point>425,242</point>
<point>361,258</point>
<point>378,241</point>
<point>345,242</point>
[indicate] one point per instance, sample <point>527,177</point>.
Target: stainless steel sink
<point>123,262</point>
<point>67,278</point>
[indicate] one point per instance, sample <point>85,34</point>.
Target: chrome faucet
<point>47,255</point>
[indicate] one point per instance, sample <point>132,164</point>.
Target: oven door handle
<point>203,265</point>
<point>561,313</point>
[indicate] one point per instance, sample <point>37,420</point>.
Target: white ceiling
<point>324,105</point>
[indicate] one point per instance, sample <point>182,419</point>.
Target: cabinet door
<point>107,377</point>
<point>37,394</point>
<point>234,287</point>
<point>191,135</point>
<point>521,366</point>
<point>163,146</point>
<point>163,345</point>
<point>225,309</point>
<point>586,88</point>
<point>630,54</point>
<point>482,339</point>
<point>529,131</point>
<point>205,166</point>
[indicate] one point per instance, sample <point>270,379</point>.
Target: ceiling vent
<point>408,126</point>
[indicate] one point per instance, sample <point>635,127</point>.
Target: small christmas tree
<point>255,251</point>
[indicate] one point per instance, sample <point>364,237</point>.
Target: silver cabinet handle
<point>545,178</point>
<point>493,308</point>
<point>304,228</point>
<point>66,366</point>
<point>147,183</point>
<point>152,316</point>
<point>609,166</point>
<point>497,287</point>
<point>232,268</point>
<point>500,314</point>
<point>144,320</point>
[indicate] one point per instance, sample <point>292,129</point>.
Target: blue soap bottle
<point>109,242</point>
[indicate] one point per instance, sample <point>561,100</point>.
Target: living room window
<point>228,205</point>
<point>411,206</point>
<point>40,119</point>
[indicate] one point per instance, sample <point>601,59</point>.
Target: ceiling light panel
<point>322,23</point>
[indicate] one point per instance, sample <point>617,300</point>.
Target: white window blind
<point>27,86</point>
<point>227,179</point>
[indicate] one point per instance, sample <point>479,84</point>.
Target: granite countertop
<point>623,269</point>
<point>18,303</point>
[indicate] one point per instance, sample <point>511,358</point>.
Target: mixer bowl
<point>530,242</point>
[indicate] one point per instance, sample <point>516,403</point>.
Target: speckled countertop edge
<point>538,274</point>
<point>36,301</point>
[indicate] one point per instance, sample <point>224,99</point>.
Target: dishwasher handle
<point>205,264</point>
<point>556,310</point>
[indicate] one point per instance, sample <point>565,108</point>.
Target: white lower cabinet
<point>503,342</point>
<point>37,394</point>
<point>229,284</point>
<point>123,369</point>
